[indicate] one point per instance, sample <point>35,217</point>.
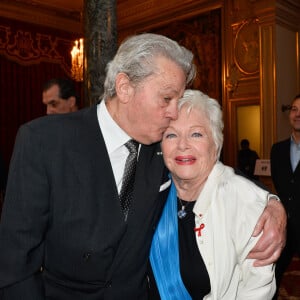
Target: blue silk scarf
<point>164,253</point>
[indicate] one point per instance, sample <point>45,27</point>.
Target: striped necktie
<point>128,176</point>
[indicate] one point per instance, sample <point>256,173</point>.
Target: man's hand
<point>273,224</point>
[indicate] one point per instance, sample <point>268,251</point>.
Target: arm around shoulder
<point>273,225</point>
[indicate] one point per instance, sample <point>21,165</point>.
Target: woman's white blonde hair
<point>194,99</point>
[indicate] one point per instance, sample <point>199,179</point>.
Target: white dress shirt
<point>295,153</point>
<point>115,138</point>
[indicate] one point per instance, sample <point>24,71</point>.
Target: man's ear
<point>123,87</point>
<point>72,101</point>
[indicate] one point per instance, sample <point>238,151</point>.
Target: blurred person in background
<point>285,172</point>
<point>60,96</point>
<point>247,159</point>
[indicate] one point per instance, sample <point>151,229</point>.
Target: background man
<point>247,159</point>
<point>285,171</point>
<point>60,96</point>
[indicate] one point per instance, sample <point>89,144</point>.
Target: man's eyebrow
<point>170,90</point>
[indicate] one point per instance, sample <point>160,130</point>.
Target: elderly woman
<point>201,244</point>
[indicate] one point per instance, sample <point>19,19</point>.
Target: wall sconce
<point>77,61</point>
<point>285,107</point>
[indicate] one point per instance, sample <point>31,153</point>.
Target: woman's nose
<point>183,143</point>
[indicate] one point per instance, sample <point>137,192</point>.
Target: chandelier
<point>77,60</point>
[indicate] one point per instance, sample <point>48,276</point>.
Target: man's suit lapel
<point>96,175</point>
<point>285,154</point>
<point>148,178</point>
<point>93,165</point>
<point>146,203</point>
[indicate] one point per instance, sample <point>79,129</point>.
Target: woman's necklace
<point>182,212</point>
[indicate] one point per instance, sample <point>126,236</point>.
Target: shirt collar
<point>293,141</point>
<point>114,136</point>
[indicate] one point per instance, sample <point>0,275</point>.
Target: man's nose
<point>172,110</point>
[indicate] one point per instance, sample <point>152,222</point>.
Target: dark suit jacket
<point>62,214</point>
<point>286,182</point>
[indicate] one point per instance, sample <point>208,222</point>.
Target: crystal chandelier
<point>77,60</point>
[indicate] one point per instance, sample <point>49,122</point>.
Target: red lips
<point>185,159</point>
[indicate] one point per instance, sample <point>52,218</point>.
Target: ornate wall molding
<point>28,47</point>
<point>287,14</point>
<point>246,46</point>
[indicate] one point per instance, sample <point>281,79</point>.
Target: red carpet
<point>290,286</point>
